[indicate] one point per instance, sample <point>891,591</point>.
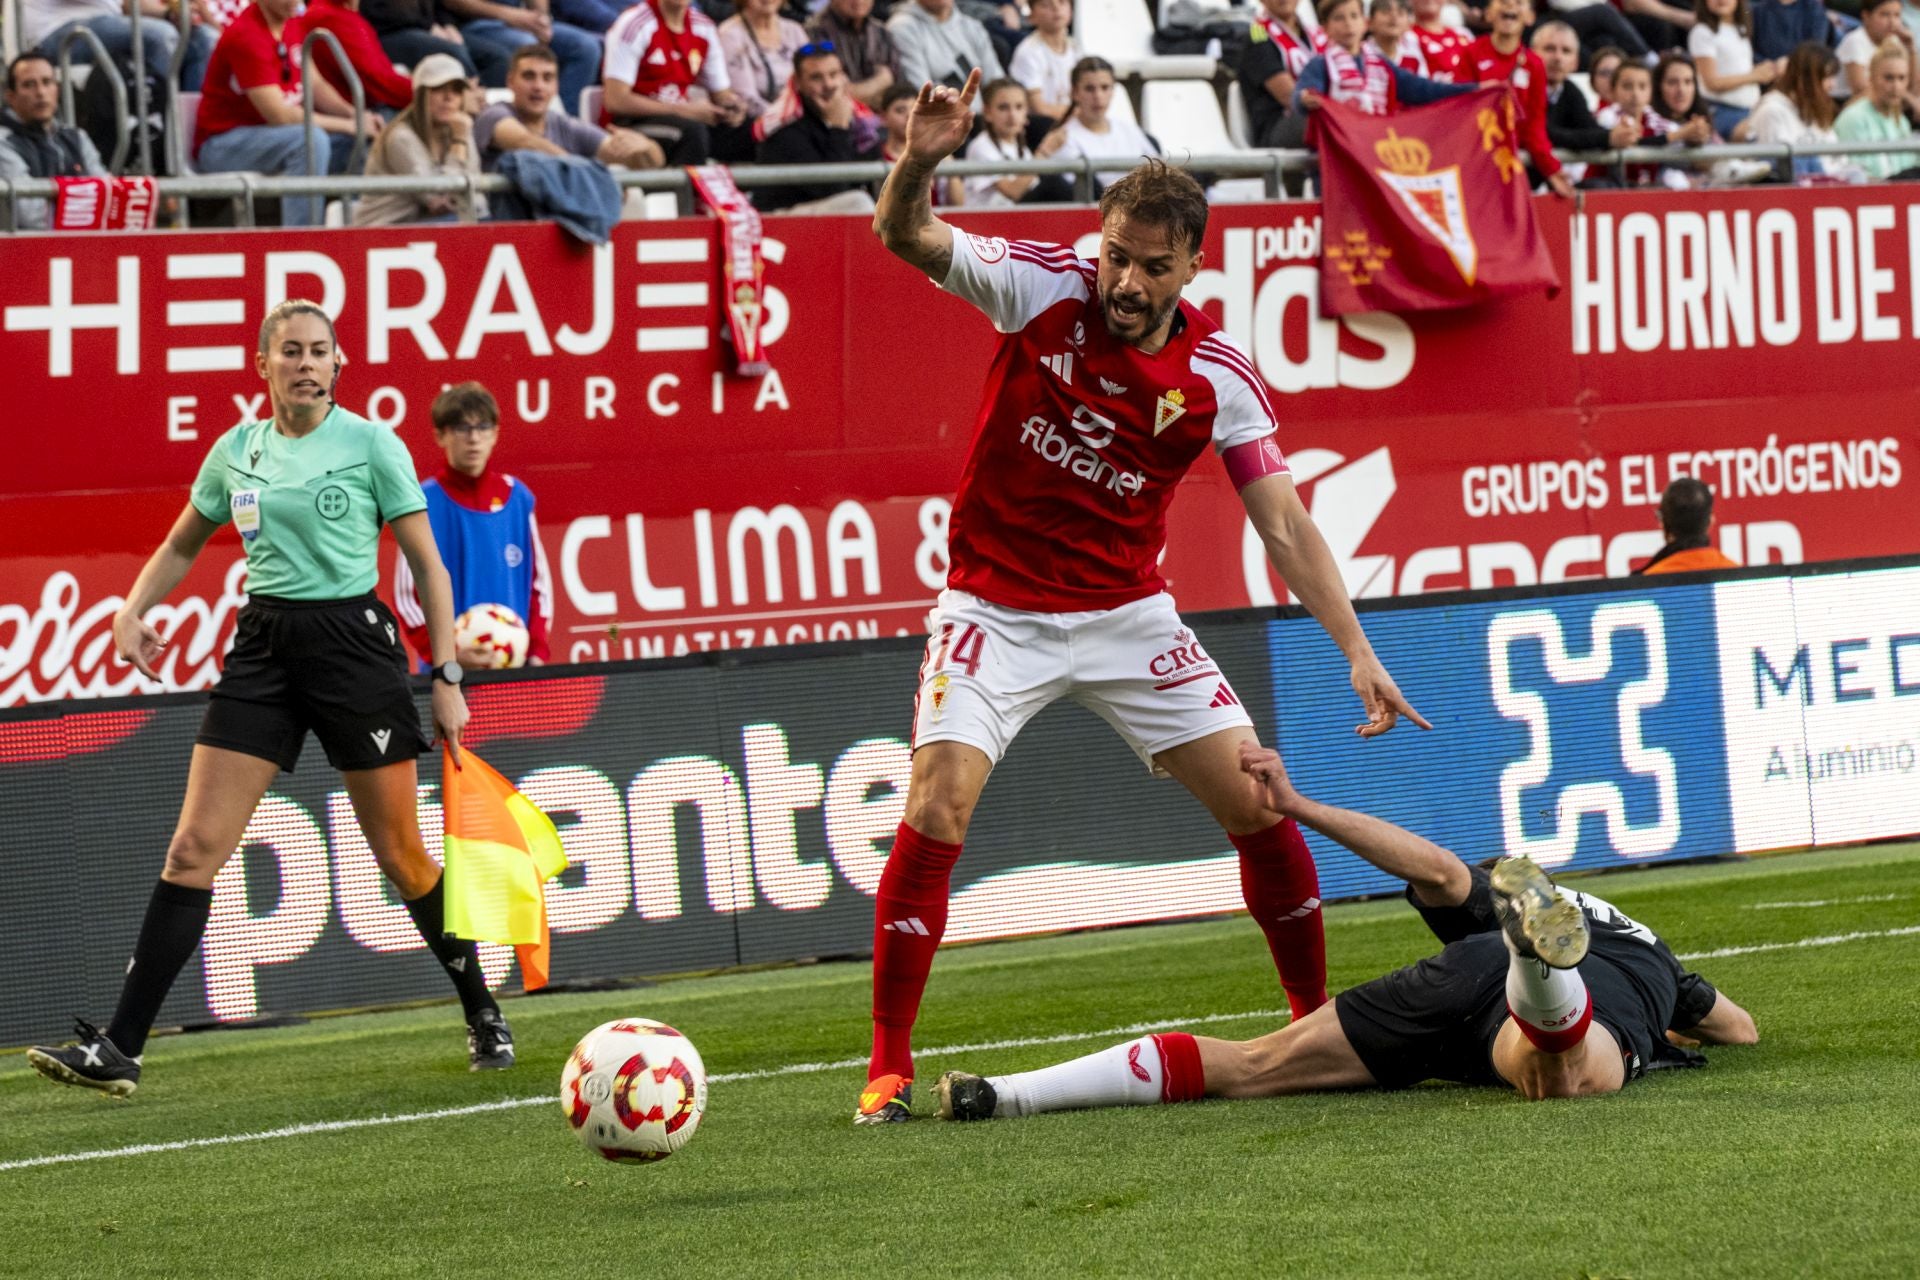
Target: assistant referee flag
<point>500,853</point>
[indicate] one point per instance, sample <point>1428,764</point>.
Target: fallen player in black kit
<point>1554,993</point>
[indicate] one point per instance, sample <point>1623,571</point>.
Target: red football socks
<point>1282,889</point>
<point>910,915</point>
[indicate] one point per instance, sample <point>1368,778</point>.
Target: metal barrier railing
<point>102,66</point>
<point>176,134</point>
<point>307,74</point>
<point>137,33</point>
<point>1269,166</point>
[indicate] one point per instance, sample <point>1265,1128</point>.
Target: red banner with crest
<point>1426,209</point>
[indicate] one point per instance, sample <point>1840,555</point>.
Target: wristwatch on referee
<point>450,672</point>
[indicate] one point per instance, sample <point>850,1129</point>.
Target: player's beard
<point>1150,320</point>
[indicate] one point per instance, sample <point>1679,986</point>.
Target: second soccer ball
<point>496,631</point>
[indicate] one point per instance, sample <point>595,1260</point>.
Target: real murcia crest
<point>1433,198</point>
<point>1169,409</point>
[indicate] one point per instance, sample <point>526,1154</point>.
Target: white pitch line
<point>810,1068</point>
<point>1827,902</point>
<point>553,1099</point>
<point>1827,940</point>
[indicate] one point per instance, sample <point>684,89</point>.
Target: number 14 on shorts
<point>964,649</point>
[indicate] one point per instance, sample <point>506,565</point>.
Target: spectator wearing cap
<point>44,23</point>
<point>822,134</point>
<point>434,135</point>
<point>33,144</point>
<point>1686,521</point>
<point>759,45</point>
<point>381,85</point>
<point>940,44</point>
<point>529,123</point>
<point>250,118</point>
<point>865,48</point>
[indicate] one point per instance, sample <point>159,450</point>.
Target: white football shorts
<point>988,670</point>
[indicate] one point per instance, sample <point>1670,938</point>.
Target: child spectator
<point>1721,43</point>
<point>1003,136</point>
<point>1501,56</point>
<point>1440,44</point>
<point>1633,105</point>
<point>1600,68</point>
<point>1387,24</point>
<point>896,106</point>
<point>1043,64</point>
<point>434,135</point>
<point>1352,72</point>
<point>1091,132</point>
<point>1570,122</point>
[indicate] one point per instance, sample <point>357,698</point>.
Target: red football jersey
<point>1528,75</point>
<point>1082,439</point>
<point>1442,49</point>
<point>662,63</point>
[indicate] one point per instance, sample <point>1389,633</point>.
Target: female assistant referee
<point>308,490</point>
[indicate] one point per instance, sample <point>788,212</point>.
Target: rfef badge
<point>245,505</point>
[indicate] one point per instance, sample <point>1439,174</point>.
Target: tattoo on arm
<point>905,222</point>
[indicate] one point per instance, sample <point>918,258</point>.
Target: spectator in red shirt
<point>666,76</point>
<point>1501,55</point>
<point>382,85</point>
<point>250,118</point>
<point>1440,43</point>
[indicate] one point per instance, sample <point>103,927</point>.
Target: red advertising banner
<point>1768,341</point>
<point>1426,209</point>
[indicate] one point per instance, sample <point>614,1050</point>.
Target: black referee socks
<point>176,917</point>
<point>460,958</point>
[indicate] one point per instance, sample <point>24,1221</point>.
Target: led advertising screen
<point>738,808</point>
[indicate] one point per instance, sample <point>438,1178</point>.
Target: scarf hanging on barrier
<point>106,204</point>
<point>742,270</point>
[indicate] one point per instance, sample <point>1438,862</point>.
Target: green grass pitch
<point>1798,1157</point>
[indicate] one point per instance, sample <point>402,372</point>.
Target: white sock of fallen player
<point>1154,1068</point>
<point>1551,1005</point>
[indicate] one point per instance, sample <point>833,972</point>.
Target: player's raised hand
<point>1382,697</point>
<point>137,643</point>
<point>942,118</point>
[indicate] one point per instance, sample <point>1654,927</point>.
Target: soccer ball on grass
<point>634,1090</point>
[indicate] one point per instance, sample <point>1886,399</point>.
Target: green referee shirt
<point>309,510</point>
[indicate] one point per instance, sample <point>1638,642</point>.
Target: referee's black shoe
<point>95,1062</point>
<point>489,1042</point>
<point>1539,923</point>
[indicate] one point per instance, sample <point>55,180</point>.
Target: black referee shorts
<point>337,667</point>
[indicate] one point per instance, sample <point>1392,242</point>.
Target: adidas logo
<point>1223,697</point>
<point>910,925</point>
<point>1304,910</point>
<point>1111,387</point>
<point>1062,366</point>
<point>380,739</point>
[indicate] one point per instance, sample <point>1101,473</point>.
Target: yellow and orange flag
<point>500,853</point>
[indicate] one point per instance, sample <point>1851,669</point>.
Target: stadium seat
<point>591,98</point>
<point>1185,116</point>
<point>1239,125</point>
<point>497,96</point>
<point>1121,31</point>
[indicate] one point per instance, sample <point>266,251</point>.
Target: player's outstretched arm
<point>1725,1023</point>
<point>1300,556</point>
<point>1437,876</point>
<point>904,221</point>
<point>134,640</point>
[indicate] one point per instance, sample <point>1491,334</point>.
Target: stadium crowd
<point>451,86</point>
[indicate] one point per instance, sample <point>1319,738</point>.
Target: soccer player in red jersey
<point>1502,55</point>
<point>1105,389</point>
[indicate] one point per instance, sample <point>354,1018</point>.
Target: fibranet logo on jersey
<point>1081,457</point>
